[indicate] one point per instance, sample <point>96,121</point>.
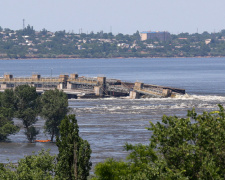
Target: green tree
<point>26,103</point>
<point>180,148</point>
<point>7,104</point>
<point>74,152</point>
<point>44,31</point>
<point>7,126</point>
<point>111,169</point>
<point>29,30</point>
<point>142,163</point>
<point>54,108</point>
<point>136,36</point>
<point>39,166</point>
<point>194,144</point>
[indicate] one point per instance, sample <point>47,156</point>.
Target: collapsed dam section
<point>87,87</point>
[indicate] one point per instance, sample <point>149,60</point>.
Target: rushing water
<point>109,123</point>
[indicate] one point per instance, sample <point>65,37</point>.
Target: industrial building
<point>155,35</point>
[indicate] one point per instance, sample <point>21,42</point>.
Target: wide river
<point>109,123</point>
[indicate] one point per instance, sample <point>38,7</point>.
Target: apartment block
<point>155,35</point>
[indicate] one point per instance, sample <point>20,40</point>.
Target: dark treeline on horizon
<point>28,43</point>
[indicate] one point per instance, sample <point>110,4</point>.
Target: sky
<point>118,16</point>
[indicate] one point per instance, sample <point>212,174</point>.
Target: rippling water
<point>109,123</point>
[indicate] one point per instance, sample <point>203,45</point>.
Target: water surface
<point>109,123</point>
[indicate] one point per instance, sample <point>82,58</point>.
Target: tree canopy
<point>7,110</point>
<point>39,166</point>
<point>26,105</point>
<point>74,152</point>
<point>54,105</point>
<point>180,148</point>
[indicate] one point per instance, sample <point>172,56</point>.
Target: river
<point>109,123</point>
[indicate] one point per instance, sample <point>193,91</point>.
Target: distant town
<point>28,43</point>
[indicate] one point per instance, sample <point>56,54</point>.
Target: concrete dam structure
<point>86,87</point>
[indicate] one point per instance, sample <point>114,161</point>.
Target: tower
<point>23,23</point>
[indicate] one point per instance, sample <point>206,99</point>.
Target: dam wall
<point>86,87</point>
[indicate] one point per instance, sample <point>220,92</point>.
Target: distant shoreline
<point>109,58</point>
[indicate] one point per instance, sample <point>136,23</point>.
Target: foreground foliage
<point>38,166</point>
<point>72,162</point>
<point>74,152</point>
<point>180,148</point>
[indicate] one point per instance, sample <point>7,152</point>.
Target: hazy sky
<point>122,16</point>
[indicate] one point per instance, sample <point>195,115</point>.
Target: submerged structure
<point>86,87</point>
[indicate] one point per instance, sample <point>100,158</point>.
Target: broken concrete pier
<point>86,87</point>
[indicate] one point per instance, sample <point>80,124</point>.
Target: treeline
<point>180,148</point>
<point>28,43</point>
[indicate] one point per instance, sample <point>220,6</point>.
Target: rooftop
<point>153,32</point>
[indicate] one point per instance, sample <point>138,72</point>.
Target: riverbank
<point>32,58</point>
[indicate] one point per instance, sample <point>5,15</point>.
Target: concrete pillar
<point>98,90</point>
<point>101,80</point>
<point>73,76</point>
<point>69,85</point>
<point>8,76</point>
<point>60,86</point>
<point>134,95</point>
<point>3,86</point>
<point>36,77</point>
<point>63,77</point>
<point>167,92</point>
<point>138,85</point>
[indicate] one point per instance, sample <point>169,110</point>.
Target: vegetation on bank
<point>28,43</point>
<point>179,148</point>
